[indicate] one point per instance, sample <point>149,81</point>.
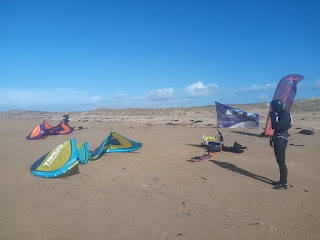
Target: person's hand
<point>273,114</point>
<point>271,142</point>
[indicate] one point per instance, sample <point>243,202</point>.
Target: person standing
<point>65,118</point>
<point>281,121</point>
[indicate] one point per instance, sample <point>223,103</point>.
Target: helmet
<point>277,105</point>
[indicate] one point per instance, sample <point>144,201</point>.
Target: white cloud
<point>264,97</point>
<point>268,86</point>
<point>120,96</point>
<point>256,88</point>
<point>196,94</point>
<point>94,99</point>
<point>35,99</point>
<point>198,89</point>
<point>161,94</point>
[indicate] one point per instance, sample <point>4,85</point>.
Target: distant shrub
<point>306,105</point>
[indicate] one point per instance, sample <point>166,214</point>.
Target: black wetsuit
<point>281,122</point>
<point>65,119</point>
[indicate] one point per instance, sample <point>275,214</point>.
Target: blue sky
<point>75,55</point>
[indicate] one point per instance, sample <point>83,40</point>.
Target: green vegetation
<point>306,105</point>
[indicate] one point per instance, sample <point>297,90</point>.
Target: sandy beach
<point>155,193</point>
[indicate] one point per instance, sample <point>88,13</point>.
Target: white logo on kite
<point>54,154</point>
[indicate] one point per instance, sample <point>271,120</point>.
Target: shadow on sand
<point>248,134</point>
<point>73,171</point>
<point>241,171</point>
<point>197,145</point>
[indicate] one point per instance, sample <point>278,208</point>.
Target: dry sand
<point>155,193</point>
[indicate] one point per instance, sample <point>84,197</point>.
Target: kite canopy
<point>59,160</point>
<point>114,142</point>
<point>285,91</point>
<point>69,154</point>
<point>45,129</point>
